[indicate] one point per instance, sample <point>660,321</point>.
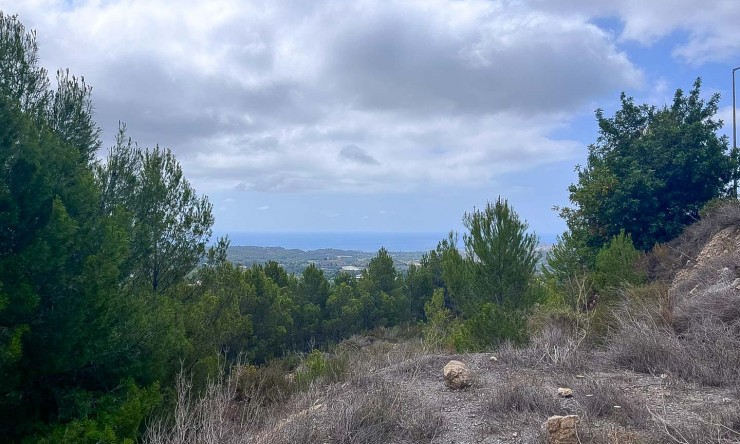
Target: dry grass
<point>335,402</point>
<point>211,418</point>
<point>708,428</point>
<point>664,262</point>
<point>554,347</point>
<point>527,397</point>
<point>605,399</point>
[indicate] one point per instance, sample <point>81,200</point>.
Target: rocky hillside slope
<point>667,372</point>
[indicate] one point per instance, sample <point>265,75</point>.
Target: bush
<point>440,322</point>
<point>265,385</point>
<point>488,328</point>
<point>616,266</point>
<point>317,365</point>
<point>118,417</point>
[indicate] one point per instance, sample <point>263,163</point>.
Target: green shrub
<point>491,326</point>
<point>440,322</point>
<point>116,418</point>
<point>265,385</point>
<point>616,266</point>
<point>320,365</point>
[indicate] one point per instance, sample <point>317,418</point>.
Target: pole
<point>734,137</point>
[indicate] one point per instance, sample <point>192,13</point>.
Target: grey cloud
<point>261,96</point>
<point>398,60</point>
<point>356,154</point>
<point>279,182</point>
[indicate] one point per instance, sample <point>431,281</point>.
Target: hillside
<point>667,371</point>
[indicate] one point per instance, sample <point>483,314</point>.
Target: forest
<point>111,284</point>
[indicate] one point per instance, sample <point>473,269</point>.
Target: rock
<point>457,375</point>
<point>564,392</point>
<point>562,429</point>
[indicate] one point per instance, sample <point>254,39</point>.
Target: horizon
<point>349,241</point>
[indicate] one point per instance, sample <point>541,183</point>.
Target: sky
<point>385,116</point>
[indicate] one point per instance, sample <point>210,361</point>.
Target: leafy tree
<point>216,325</point>
<point>381,292</point>
<point>169,224</point>
<point>274,271</point>
<point>650,171</point>
<point>456,276</point>
<point>270,311</point>
<point>59,268</point>
<point>22,81</point>
<point>501,255</point>
<point>494,284</point>
<point>489,326</point>
<point>418,286</point>
<point>313,287</point>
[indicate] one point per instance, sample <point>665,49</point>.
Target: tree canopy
<point>650,170</point>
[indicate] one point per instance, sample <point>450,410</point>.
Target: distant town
<point>330,260</point>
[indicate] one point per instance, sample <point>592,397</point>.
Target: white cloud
<point>333,95</point>
<point>706,31</point>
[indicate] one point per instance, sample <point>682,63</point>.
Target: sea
<point>352,241</point>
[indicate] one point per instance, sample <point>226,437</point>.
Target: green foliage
<point>418,287</point>
<point>22,81</point>
<point>343,311</point>
<point>321,365</point>
<point>70,114</point>
<point>567,273</point>
<point>650,171</point>
<point>489,327</point>
<point>501,257</point>
<point>168,223</point>
<point>119,416</point>
<point>456,275</point>
<point>381,294</point>
<point>494,285</point>
<point>616,265</point>
<point>440,322</point>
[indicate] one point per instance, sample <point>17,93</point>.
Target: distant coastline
<point>355,241</point>
<point>350,241</point>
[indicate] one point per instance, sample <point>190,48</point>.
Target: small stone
<point>515,434</point>
<point>565,392</point>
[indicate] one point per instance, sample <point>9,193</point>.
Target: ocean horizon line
<point>367,241</point>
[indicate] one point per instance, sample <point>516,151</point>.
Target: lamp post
<point>734,136</point>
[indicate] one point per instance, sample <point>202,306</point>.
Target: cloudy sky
<point>399,116</point>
